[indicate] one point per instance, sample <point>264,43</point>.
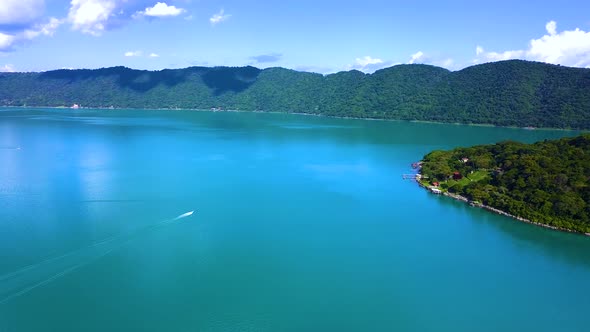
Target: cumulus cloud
<point>316,69</point>
<point>551,27</point>
<point>20,21</point>
<point>367,60</point>
<point>265,58</point>
<point>161,9</point>
<point>132,53</point>
<point>7,41</point>
<point>416,57</point>
<point>569,48</point>
<point>495,56</point>
<point>479,50</point>
<point>91,16</point>
<point>435,60</point>
<point>219,17</point>
<point>369,64</point>
<point>7,69</point>
<point>446,63</point>
<point>95,16</point>
<point>20,11</point>
<point>46,29</point>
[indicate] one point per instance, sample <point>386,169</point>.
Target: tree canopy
<point>507,93</point>
<point>546,182</point>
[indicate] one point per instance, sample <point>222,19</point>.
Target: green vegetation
<point>546,182</point>
<point>507,93</point>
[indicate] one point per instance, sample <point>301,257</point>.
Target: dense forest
<point>506,93</point>
<point>546,182</point>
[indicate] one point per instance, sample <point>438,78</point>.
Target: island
<point>546,183</point>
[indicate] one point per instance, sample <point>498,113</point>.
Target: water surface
<point>301,223</point>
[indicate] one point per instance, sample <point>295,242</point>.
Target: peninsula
<point>546,183</point>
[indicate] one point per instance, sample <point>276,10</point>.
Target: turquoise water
<point>301,223</point>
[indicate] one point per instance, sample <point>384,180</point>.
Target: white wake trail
<point>28,278</point>
<point>184,215</point>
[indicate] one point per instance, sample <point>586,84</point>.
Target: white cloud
<point>130,54</point>
<point>91,16</point>
<point>369,64</point>
<point>161,9</point>
<point>219,17</point>
<point>20,22</point>
<point>7,69</point>
<point>498,56</point>
<point>47,29</point>
<point>20,11</point>
<point>6,41</point>
<point>551,27</point>
<point>435,60</point>
<point>133,53</point>
<point>569,48</point>
<point>446,63</point>
<point>416,57</point>
<point>367,60</point>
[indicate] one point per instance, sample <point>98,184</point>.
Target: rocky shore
<point>497,211</point>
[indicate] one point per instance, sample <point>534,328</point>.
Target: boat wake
<point>184,215</point>
<point>26,279</point>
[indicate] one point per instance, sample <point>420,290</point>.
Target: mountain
<point>545,182</point>
<point>507,93</point>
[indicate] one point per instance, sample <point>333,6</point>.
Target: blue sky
<point>319,36</point>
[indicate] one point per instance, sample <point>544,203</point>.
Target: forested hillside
<point>547,182</point>
<point>508,93</point>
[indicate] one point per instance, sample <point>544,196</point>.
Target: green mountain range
<point>506,93</point>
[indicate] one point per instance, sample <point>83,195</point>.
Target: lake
<point>300,223</point>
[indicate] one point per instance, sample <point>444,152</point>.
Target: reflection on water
<point>304,224</point>
<point>574,248</point>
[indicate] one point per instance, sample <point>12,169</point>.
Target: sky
<point>322,36</point>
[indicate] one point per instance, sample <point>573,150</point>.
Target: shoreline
<point>500,212</point>
<point>299,113</point>
<point>445,193</point>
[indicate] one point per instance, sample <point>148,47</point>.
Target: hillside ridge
<point>506,93</point>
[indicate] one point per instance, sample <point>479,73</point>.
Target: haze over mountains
<point>506,93</point>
